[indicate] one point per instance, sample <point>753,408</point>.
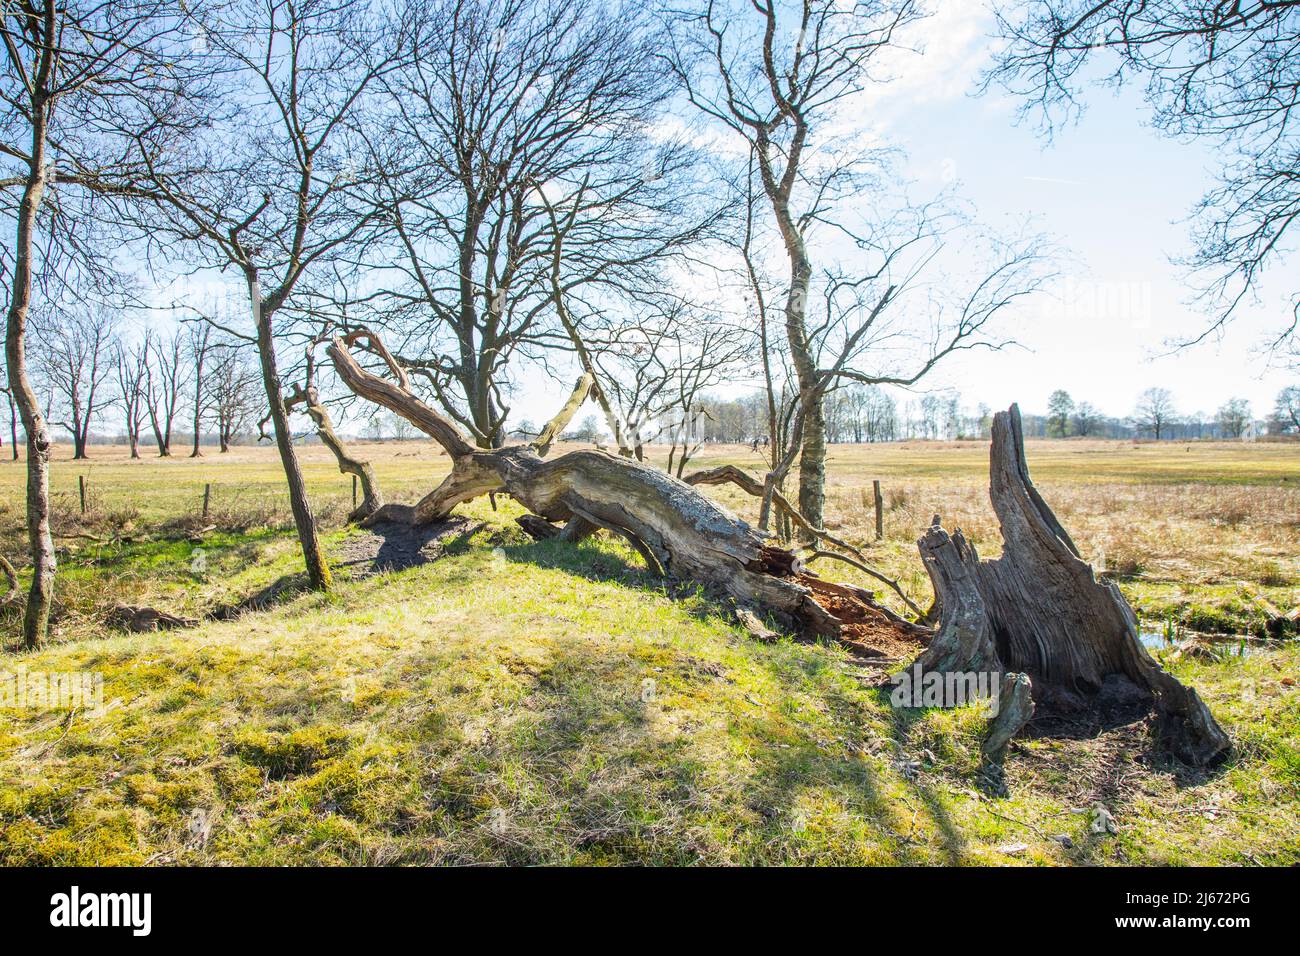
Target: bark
<point>318,570</point>
<point>812,453</point>
<point>1039,610</point>
<point>372,497</point>
<point>200,346</point>
<point>13,425</point>
<point>36,619</point>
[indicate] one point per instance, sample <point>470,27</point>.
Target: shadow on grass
<point>590,768</point>
<point>901,723</point>
<point>396,545</point>
<point>279,591</point>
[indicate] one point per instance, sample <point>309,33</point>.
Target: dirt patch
<point>394,546</point>
<point>866,628</point>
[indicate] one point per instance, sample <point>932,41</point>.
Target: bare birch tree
<point>76,361</point>
<point>233,382</point>
<point>199,346</point>
<point>163,380</point>
<point>75,73</point>
<point>130,367</point>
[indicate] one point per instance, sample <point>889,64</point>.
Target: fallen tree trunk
<point>1036,616</point>
<point>680,532</point>
<point>1039,610</point>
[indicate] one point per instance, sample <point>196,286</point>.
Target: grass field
<point>543,703</point>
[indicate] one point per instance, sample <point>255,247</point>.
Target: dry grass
<point>1197,532</point>
<point>491,706</point>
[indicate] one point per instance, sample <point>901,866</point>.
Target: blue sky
<point>1115,194</point>
<point>1112,194</point>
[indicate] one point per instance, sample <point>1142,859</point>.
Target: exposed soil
<point>394,545</point>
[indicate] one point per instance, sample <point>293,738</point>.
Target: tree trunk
<point>318,570</point>
<point>678,531</point>
<point>372,497</point>
<point>36,619</point>
<point>1038,610</point>
<point>201,354</point>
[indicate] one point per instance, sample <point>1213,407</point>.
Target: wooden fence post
<point>354,492</point>
<point>81,484</point>
<point>880,510</point>
<point>207,498</point>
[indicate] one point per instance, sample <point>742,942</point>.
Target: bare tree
<point>776,74</point>
<point>76,361</point>
<point>130,365</point>
<point>198,343</point>
<point>1225,72</point>
<point>76,75</point>
<point>1155,411</point>
<point>233,383</point>
<point>271,187</point>
<point>704,355</point>
<point>164,378</point>
<point>650,372</point>
<point>515,122</point>
<point>772,74</point>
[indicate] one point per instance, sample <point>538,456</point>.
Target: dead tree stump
<point>1039,610</point>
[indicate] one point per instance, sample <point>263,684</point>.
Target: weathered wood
<point>372,498</point>
<point>963,640</point>
<point>1039,609</point>
<point>730,474</point>
<point>680,532</point>
<point>879,502</point>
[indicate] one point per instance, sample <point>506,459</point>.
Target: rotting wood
<point>1040,610</point>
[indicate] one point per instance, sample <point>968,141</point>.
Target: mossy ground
<point>516,702</point>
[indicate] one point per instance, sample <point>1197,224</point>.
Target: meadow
<point>513,701</point>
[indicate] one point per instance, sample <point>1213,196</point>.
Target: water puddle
<point>1212,645</point>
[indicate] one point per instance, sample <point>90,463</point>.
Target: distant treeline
<point>870,414</point>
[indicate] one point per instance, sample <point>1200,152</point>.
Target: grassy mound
<point>515,702</point>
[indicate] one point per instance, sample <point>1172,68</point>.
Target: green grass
<point>516,702</point>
